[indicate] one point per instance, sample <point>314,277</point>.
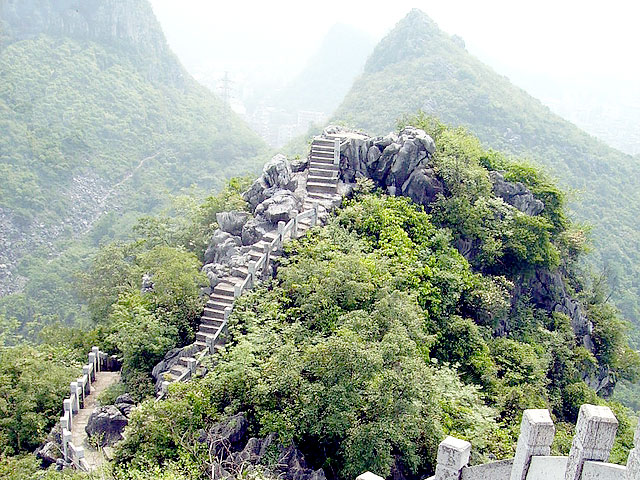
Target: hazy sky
<point>553,38</point>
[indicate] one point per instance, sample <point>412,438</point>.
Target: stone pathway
<point>94,457</point>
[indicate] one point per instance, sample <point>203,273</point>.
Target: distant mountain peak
<point>412,37</point>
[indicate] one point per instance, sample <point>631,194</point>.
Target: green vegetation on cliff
<point>419,67</point>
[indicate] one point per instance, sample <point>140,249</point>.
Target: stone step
<point>321,154</point>
<point>323,141</point>
<point>224,289</point>
<point>184,361</point>
<point>241,270</point>
<point>201,345</point>
<point>212,322</point>
<point>204,328</point>
<point>219,303</point>
<point>320,161</point>
<point>212,314</point>
<point>319,197</point>
<point>329,180</point>
<point>270,236</point>
<point>255,255</point>
<point>321,172</point>
<point>178,370</point>
<point>323,145</point>
<point>202,336</point>
<point>320,188</point>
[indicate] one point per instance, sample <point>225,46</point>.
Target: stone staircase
<point>322,188</point>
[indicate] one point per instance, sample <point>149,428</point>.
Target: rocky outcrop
<point>234,453</point>
<point>232,222</point>
<point>515,194</point>
<point>125,404</point>
<point>106,425</point>
<point>399,164</point>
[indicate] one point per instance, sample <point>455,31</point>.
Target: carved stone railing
<point>587,460</point>
<point>79,391</point>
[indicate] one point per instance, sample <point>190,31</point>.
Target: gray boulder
<point>227,436</point>
<point>254,230</point>
<point>106,425</point>
<point>216,272</point>
<point>299,164</point>
<point>125,404</point>
<point>221,247</point>
<point>277,172</point>
<point>422,186</point>
<point>279,207</point>
<point>515,194</point>
<point>232,222</point>
<point>49,454</point>
<point>147,283</point>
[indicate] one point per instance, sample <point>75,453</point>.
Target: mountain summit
<point>417,67</point>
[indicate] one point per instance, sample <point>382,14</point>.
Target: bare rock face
<point>49,454</point>
<point>279,207</point>
<point>515,194</point>
<point>106,424</point>
<point>125,404</point>
<point>221,246</point>
<point>232,222</point>
<point>235,453</point>
<point>276,175</point>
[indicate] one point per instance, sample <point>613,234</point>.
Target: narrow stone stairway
<point>322,187</point>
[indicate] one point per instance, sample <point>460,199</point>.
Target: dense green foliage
<point>96,131</point>
<point>417,66</point>
<point>138,327</point>
<point>375,340</point>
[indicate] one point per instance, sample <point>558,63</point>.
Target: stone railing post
<point>453,456</point>
<point>267,259</point>
<point>281,226</point>
<point>75,401</point>
<point>92,365</point>
<point>86,372</point>
<point>252,274</point>
<point>227,313</point>
<point>633,461</point>
<point>237,291</point>
<point>68,411</point>
<point>368,476</point>
<point>336,151</point>
<point>164,388</point>
<point>595,433</point>
<point>191,365</point>
<point>314,218</point>
<point>66,439</point>
<point>294,228</point>
<point>96,353</point>
<point>536,436</point>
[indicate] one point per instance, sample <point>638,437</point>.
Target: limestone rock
<point>147,283</point>
<point>254,230</point>
<point>232,222</point>
<point>515,194</point>
<point>106,424</point>
<point>49,454</point>
<point>170,359</point>
<point>228,435</point>
<point>299,165</point>
<point>279,207</point>
<point>221,247</point>
<point>277,172</point>
<point>125,404</point>
<point>216,272</point>
<point>422,186</point>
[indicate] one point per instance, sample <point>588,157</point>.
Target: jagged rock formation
<point>234,452</point>
<point>106,425</point>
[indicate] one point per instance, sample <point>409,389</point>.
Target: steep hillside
<point>97,115</point>
<point>419,67</point>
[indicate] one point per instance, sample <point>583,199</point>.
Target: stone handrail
<point>587,460</point>
<point>79,390</point>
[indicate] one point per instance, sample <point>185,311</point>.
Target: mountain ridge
<point>417,67</point>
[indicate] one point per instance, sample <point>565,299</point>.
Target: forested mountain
<point>419,67</point>
<point>97,115</point>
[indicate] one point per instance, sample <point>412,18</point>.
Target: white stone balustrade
<point>536,436</point>
<point>453,455</point>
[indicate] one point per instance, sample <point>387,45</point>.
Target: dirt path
<point>94,457</point>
